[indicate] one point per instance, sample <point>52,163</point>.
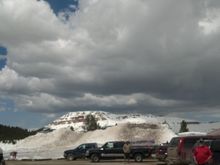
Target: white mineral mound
<point>116,127</point>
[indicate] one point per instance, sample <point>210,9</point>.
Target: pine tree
<point>10,134</point>
<point>183,127</point>
<point>91,123</point>
<point>71,128</point>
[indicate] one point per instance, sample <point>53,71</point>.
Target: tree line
<point>91,124</point>
<point>9,134</point>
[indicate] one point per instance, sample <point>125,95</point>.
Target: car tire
<point>138,157</point>
<point>70,157</point>
<point>95,158</point>
<point>162,159</point>
<point>170,163</point>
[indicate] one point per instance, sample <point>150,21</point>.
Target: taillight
<point>180,147</point>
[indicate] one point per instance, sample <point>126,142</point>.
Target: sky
<point>143,56</point>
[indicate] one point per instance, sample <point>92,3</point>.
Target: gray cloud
<point>146,56</point>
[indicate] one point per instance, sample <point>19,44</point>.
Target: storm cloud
<point>147,56</point>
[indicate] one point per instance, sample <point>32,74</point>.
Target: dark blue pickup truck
<point>79,152</point>
<point>114,150</point>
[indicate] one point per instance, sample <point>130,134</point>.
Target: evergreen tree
<point>183,127</point>
<point>91,123</point>
<point>10,134</point>
<point>71,128</point>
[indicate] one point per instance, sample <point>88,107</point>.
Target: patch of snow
<point>193,126</point>
<point>6,146</point>
<point>53,144</point>
<point>192,134</point>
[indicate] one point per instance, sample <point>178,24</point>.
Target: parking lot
<point>82,162</point>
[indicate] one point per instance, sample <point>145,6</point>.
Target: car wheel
<point>162,159</point>
<point>70,157</point>
<point>170,163</point>
<point>138,157</point>
<point>95,158</point>
<point>2,162</point>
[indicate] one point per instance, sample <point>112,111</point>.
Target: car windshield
<point>174,142</point>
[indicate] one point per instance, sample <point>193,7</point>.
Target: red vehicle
<point>179,150</point>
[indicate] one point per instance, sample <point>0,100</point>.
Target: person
<point>201,153</point>
<point>13,155</point>
<point>127,150</point>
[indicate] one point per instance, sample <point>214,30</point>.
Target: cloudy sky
<point>145,56</point>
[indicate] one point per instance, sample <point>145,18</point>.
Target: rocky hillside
<point>104,119</point>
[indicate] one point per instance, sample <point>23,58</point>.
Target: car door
<point>172,150</point>
<point>188,147</point>
<point>81,150</point>
<point>118,149</point>
<point>90,146</point>
<point>112,150</point>
<point>108,150</point>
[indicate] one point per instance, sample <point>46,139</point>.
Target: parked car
<point>114,150</point>
<point>179,150</point>
<point>161,152</point>
<point>2,162</point>
<point>79,152</point>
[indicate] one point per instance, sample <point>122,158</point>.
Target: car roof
<point>88,143</point>
<point>198,136</point>
<point>115,142</point>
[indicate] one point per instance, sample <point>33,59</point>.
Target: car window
<point>90,146</point>
<point>174,142</point>
<point>118,145</point>
<point>215,146</point>
<point>208,142</point>
<point>190,142</point>
<point>83,146</point>
<point>109,145</point>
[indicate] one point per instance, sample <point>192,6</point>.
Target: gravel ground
<point>81,162</point>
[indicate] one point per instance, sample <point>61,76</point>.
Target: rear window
<point>88,146</point>
<point>118,145</point>
<point>174,142</point>
<point>190,142</point>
